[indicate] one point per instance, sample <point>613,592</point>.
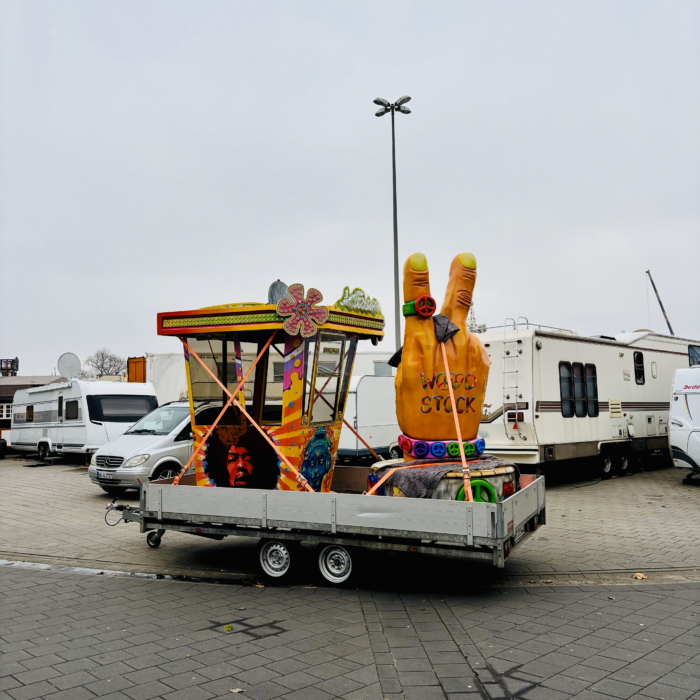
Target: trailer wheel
<point>606,466</point>
<point>275,558</point>
<point>153,539</point>
<point>43,451</point>
<point>335,564</point>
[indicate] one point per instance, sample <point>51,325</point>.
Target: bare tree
<point>103,362</point>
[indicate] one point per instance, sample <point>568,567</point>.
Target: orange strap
<point>302,480</point>
<point>465,469</point>
<point>225,408</point>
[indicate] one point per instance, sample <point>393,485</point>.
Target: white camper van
<point>554,395</point>
<point>684,435</point>
<point>77,416</point>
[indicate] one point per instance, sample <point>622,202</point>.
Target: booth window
<point>330,352</point>
<point>309,357</point>
<point>30,414</point>
<point>72,410</point>
<point>272,400</point>
<point>579,390</point>
<point>592,390</point>
<point>348,359</point>
<point>639,368</point>
<point>694,355</point>
<point>566,389</point>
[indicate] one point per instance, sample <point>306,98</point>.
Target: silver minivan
<point>157,447</point>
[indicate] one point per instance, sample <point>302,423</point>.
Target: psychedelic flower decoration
<point>303,312</point>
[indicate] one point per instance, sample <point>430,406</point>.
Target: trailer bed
<point>482,531</point>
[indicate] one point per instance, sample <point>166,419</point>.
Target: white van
<point>157,447</point>
<point>76,416</point>
<point>684,436</point>
<point>371,410</point>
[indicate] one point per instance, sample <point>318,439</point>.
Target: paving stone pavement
<point>643,522</point>
<point>76,636</point>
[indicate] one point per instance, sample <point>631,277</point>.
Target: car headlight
<point>93,460</point>
<point>135,461</point>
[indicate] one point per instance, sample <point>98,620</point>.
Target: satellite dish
<point>69,365</point>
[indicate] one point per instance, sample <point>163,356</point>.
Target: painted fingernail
<point>468,260</point>
<point>419,262</point>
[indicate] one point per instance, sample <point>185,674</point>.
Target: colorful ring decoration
<point>435,449</point>
<point>477,485</point>
<point>424,306</point>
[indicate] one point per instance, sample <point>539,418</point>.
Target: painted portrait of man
<point>317,459</point>
<point>239,465</point>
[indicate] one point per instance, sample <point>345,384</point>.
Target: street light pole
<point>398,106</point>
<point>397,297</point>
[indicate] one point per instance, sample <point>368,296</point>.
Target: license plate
<point>103,475</point>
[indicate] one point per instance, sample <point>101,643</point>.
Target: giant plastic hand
<point>423,404</point>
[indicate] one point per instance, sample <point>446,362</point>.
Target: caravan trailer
<point>77,416</point>
<point>555,396</point>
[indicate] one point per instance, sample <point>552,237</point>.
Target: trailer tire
<point>606,467</point>
<point>276,558</point>
<point>335,564</point>
<point>43,450</point>
<point>153,539</point>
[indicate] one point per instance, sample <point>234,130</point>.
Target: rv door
<point>59,424</point>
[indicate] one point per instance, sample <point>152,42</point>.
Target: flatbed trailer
<point>470,530</point>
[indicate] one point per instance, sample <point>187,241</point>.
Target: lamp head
<point>403,110</point>
<point>402,100</point>
<point>382,102</point>
<point>381,112</point>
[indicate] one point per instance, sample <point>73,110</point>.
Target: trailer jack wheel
<point>275,558</point>
<point>606,466</point>
<point>335,564</point>
<point>153,538</point>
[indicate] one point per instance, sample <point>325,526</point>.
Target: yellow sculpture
<point>424,407</point>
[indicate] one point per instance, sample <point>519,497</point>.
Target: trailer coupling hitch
<point>120,508</point>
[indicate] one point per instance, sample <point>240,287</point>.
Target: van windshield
<point>161,421</point>
<point>120,408</point>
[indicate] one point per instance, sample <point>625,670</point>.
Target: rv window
<point>694,355</point>
<point>330,354</point>
<point>120,408</point>
<point>278,372</point>
<point>30,414</point>
<point>579,390</point>
<point>72,412</point>
<point>565,386</point>
<point>592,390</point>
<point>60,407</point>
<point>639,368</point>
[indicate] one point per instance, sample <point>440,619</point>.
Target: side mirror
<point>191,436</point>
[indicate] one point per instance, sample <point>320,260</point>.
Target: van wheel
<point>606,467</point>
<point>43,451</point>
<point>167,471</point>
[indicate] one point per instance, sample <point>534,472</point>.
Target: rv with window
<point>77,416</point>
<point>554,396</point>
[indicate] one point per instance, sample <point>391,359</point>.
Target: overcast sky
<point>160,156</point>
